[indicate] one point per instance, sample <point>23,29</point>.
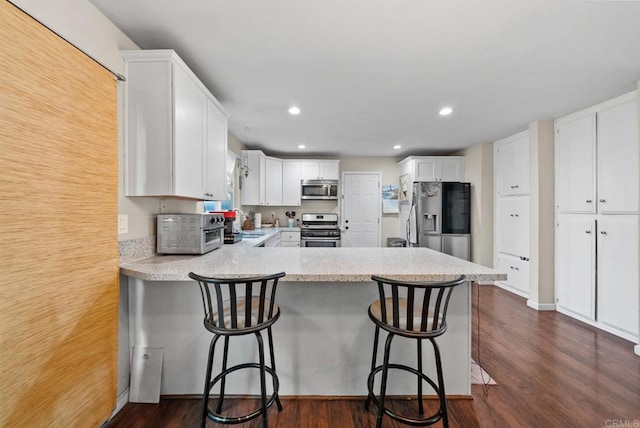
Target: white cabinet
<point>253,187</point>
<point>513,226</point>
<point>272,181</point>
<point>617,150</point>
<point>173,128</point>
<point>433,168</point>
<point>216,154</point>
<point>440,168</point>
<point>512,162</point>
<point>511,203</point>
<point>596,215</point>
<point>617,272</point>
<point>575,265</point>
<point>596,159</point>
<point>320,170</point>
<point>290,238</point>
<point>291,177</point>
<point>576,163</point>
<point>276,182</point>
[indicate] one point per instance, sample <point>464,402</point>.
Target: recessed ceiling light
<point>294,110</point>
<point>397,147</point>
<point>302,146</point>
<point>446,111</point>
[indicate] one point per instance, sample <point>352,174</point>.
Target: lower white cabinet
<point>517,271</point>
<point>597,270</point>
<point>290,238</point>
<point>617,278</point>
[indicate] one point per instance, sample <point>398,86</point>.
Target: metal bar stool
<point>420,315</point>
<point>232,309</point>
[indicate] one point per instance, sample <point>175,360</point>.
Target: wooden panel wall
<point>58,248</point>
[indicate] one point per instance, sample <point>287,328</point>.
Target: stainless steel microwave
<point>319,189</point>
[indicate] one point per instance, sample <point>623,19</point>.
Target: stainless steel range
<point>319,230</point>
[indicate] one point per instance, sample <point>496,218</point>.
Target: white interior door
<point>361,209</point>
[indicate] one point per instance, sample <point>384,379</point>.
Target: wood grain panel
<point>59,252</point>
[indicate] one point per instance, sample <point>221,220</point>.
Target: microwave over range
<point>319,189</point>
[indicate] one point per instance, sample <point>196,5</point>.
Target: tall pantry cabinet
<point>596,159</point>
<point>511,232</point>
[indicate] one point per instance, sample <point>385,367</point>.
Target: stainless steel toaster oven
<point>189,233</point>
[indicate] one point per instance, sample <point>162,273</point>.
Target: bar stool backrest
<point>238,305</point>
<point>413,308</point>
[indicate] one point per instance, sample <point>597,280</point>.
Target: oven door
<point>212,239</point>
<point>320,243</point>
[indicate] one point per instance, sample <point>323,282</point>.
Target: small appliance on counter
<point>189,233</point>
<point>230,236</point>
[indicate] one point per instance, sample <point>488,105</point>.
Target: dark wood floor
<point>551,370</point>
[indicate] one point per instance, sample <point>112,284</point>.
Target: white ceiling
<point>368,74</point>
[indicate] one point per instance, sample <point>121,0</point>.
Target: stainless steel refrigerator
<point>441,217</point>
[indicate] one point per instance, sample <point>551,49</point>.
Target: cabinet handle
<point>587,231</point>
<point>516,187</point>
<point>602,200</point>
<point>510,215</point>
<point>517,215</point>
<point>511,187</point>
<point>603,232</point>
<point>589,201</point>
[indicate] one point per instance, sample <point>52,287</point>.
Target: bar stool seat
<point>415,310</point>
<point>232,309</point>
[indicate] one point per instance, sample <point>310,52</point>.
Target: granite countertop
<point>310,264</point>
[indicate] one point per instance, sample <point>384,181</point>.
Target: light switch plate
<point>123,224</point>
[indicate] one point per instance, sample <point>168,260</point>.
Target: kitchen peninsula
<point>324,337</point>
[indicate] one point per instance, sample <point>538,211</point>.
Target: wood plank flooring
<point>551,370</point>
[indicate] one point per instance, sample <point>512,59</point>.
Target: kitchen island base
<point>323,340</point>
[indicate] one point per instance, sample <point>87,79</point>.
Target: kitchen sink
<point>253,234</point>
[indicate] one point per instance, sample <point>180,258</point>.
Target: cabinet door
<point>618,272</point>
<point>291,183</point>
<point>513,226</point>
<point>426,169</point>
<point>252,191</point>
<point>216,147</point>
<point>512,165</point>
<point>576,164</point>
<point>451,169</point>
<point>618,158</point>
<point>517,272</point>
<point>273,181</point>
<point>310,170</point>
<point>329,170</point>
<point>190,127</point>
<point>575,265</point>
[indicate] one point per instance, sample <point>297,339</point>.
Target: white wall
<point>478,170</point>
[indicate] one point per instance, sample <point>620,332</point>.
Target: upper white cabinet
<point>617,149</point>
<point>276,182</point>
<point>512,165</point>
<point>176,131</point>
<point>319,170</point>
<point>596,159</point>
<point>272,181</point>
<point>433,168</point>
<point>291,177</point>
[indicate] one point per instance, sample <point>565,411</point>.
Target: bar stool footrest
<point>221,419</point>
<point>401,418</point>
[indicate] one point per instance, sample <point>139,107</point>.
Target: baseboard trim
<point>122,401</point>
<point>316,397</point>
<point>636,349</point>
<point>541,306</point>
